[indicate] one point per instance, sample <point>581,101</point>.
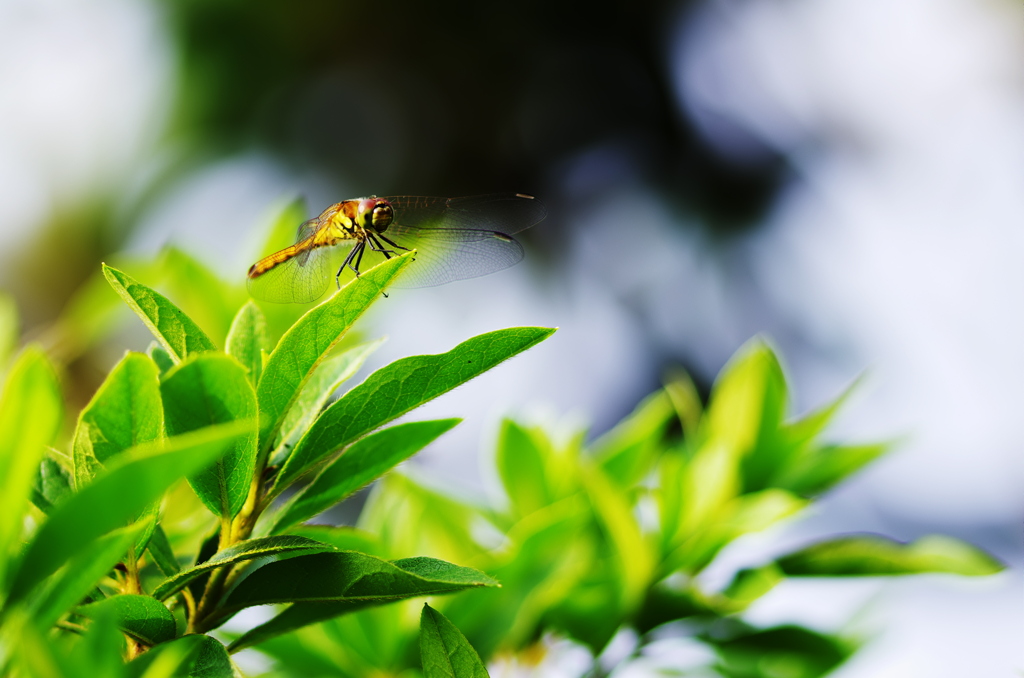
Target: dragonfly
<point>454,239</point>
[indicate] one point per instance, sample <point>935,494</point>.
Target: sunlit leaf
<point>125,411</point>
<point>206,390</point>
<point>31,408</point>
<point>199,656</point>
<point>310,339</point>
<point>871,555</point>
<point>178,334</point>
<point>399,387</point>
<point>444,651</point>
<point>247,340</point>
<point>137,479</point>
<point>361,463</point>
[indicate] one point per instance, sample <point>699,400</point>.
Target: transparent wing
<point>460,238</point>
<point>299,279</point>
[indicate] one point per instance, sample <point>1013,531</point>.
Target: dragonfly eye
<point>381,217</point>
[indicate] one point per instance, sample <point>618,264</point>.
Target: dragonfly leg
<point>356,251</point>
<point>377,247</point>
<point>391,242</point>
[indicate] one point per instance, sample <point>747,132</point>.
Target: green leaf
<point>363,462</point>
<point>237,553</point>
<point>142,617</point>
<point>821,469</point>
<point>8,329</point>
<point>74,582</point>
<point>168,323</point>
<point>444,651</point>
<point>789,651</point>
<point>52,486</point>
<point>160,551</point>
<point>521,465</point>
<point>209,389</point>
<point>629,450</point>
<point>31,409</point>
<point>125,411</point>
<point>136,479</point>
<point>331,584</point>
<point>399,387</point>
<point>311,338</point>
<point>872,555</point>
<point>158,355</point>
<point>351,576</point>
<point>247,339</point>
<point>196,655</point>
<point>327,377</point>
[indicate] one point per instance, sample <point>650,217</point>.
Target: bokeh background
<point>844,176</point>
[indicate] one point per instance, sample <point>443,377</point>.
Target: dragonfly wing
<point>299,279</point>
<point>505,213</point>
<point>444,255</point>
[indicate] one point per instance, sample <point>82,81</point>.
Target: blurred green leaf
<point>872,555</point>
<point>521,458</point>
<point>89,565</point>
<point>249,549</point>
<point>125,411</point>
<point>136,479</point>
<point>247,340</point>
<point>52,486</point>
<point>342,537</point>
<point>399,387</point>
<point>199,656</point>
<point>821,469</point>
<point>748,585</point>
<point>629,450</point>
<point>142,617</point>
<point>789,651</point>
<point>311,338</point>
<point>444,651</point>
<point>363,462</point>
<point>746,410</point>
<point>31,409</point>
<point>805,429</point>
<point>178,334</point>
<point>326,378</point>
<point>9,330</point>
<point>205,390</point>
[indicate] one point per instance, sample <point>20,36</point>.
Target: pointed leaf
<point>136,479</point>
<point>142,617</point>
<point>870,555</point>
<point>247,339</point>
<point>125,411</point>
<point>160,551</point>
<point>821,469</point>
<point>629,450</point>
<point>444,651</point>
<point>362,463</point>
<point>349,576</point>
<point>332,584</point>
<point>237,553</point>
<point>310,339</point>
<point>327,377</point>
<point>521,465</point>
<point>399,387</point>
<point>31,408</point>
<point>168,323</point>
<point>209,389</point>
<point>94,562</point>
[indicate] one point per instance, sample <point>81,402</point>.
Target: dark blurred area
<point>454,97</point>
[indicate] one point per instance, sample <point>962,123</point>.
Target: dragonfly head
<point>376,213</point>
